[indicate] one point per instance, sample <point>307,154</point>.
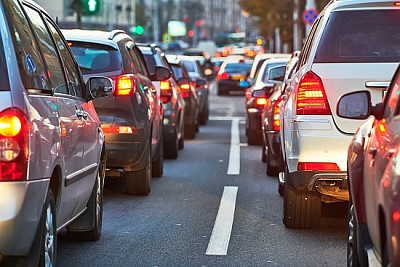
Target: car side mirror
<point>355,105</point>
<point>161,73</point>
<point>276,75</point>
<point>99,87</point>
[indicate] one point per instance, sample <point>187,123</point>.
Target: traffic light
<point>139,30</point>
<point>90,7</point>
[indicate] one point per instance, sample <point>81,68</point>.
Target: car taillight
<point>125,85</point>
<point>119,129</point>
<point>14,147</point>
<point>223,76</point>
<point>185,90</point>
<point>276,121</point>
<point>317,166</point>
<point>166,91</point>
<point>311,99</point>
<point>261,101</point>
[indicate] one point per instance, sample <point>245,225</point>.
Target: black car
<point>188,93</point>
<point>131,115</point>
<point>174,105</point>
<point>233,75</point>
<point>194,68</point>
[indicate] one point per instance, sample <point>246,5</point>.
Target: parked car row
<point>77,106</point>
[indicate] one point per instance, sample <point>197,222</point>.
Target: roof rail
<point>113,33</point>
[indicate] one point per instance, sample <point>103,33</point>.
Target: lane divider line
<point>234,153</point>
<point>221,234</point>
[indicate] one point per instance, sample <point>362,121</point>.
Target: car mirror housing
<point>99,87</point>
<point>355,105</point>
<point>161,73</point>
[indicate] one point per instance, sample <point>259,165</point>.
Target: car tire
<point>88,226</point>
<point>139,182</point>
<point>190,131</point>
<point>171,147</point>
<point>157,165</point>
<point>253,138</point>
<point>263,156</point>
<point>301,208</point>
<point>352,239</point>
<point>270,170</point>
<point>181,141</point>
<point>203,116</point>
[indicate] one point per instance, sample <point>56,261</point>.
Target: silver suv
<point>351,47</point>
<point>52,159</point>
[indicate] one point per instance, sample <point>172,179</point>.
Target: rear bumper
<point>126,151</point>
<point>21,205</point>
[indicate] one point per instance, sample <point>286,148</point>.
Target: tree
<point>276,13</point>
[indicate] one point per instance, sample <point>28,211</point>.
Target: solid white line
<point>234,154</point>
<point>221,234</point>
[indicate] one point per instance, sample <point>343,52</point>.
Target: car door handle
<point>390,153</point>
<point>372,151</point>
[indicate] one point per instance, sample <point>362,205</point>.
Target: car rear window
<point>237,67</point>
<point>360,36</point>
<point>95,58</point>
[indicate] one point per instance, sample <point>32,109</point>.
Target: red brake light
<point>396,3</point>
<point>165,85</point>
<point>115,129</point>
<point>276,122</point>
<point>311,99</point>
<point>185,90</point>
<point>185,86</point>
<point>125,85</point>
<point>261,101</point>
<point>166,91</point>
<point>223,76</point>
<point>317,166</point>
<point>14,147</point>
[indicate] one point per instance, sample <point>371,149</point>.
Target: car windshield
<point>96,58</point>
<point>361,36</point>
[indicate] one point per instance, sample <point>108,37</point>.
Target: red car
<point>373,172</point>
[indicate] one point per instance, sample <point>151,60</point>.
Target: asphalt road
<point>211,208</point>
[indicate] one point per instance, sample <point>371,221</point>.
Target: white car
<point>351,47</point>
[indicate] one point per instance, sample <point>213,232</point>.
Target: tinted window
<point>4,82</point>
<point>361,36</point>
<point>49,51</point>
<point>150,62</point>
<point>29,60</point>
<point>73,76</point>
<point>237,67</point>
<point>95,58</point>
<point>177,71</point>
<point>268,67</point>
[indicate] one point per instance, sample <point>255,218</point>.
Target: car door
<point>68,108</point>
<point>379,151</point>
<point>90,123</point>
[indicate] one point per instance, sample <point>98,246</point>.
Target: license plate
<point>237,77</point>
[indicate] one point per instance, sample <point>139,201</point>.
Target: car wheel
<point>263,156</point>
<point>88,226</point>
<point>190,131</point>
<point>158,164</point>
<point>270,170</point>
<point>203,117</point>
<point>301,208</point>
<point>139,182</point>
<point>253,138</point>
<point>171,147</point>
<point>48,232</point>
<point>352,244</point>
<point>181,141</point>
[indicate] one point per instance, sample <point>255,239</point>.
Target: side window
<point>73,77</point>
<point>305,53</point>
<point>49,51</point>
<point>392,98</point>
<point>30,62</point>
<point>136,60</point>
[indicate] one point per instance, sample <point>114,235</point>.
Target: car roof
<point>94,36</point>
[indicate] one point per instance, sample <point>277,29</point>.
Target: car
<point>132,115</point>
<point>259,60</point>
<point>188,93</point>
<point>233,75</point>
<point>174,105</point>
<point>270,118</point>
<point>201,84</point>
<point>256,97</point>
<point>314,138</point>
<point>53,150</point>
